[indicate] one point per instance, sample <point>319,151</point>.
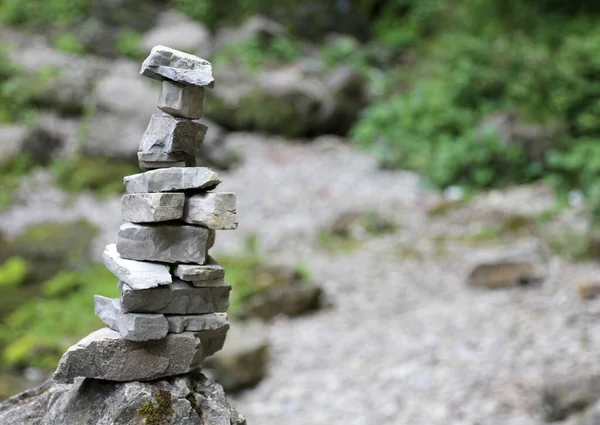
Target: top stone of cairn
<point>165,63</point>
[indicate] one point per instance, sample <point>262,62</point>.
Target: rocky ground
<point>405,339</point>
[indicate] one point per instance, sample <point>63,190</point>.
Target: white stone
<point>165,63</point>
<point>137,274</point>
<point>180,100</point>
<point>152,207</point>
<point>216,211</point>
<point>172,180</point>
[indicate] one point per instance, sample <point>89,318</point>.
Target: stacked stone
<point>171,312</point>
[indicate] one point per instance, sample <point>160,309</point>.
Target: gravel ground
<point>406,341</point>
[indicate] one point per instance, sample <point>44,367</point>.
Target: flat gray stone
<point>197,322</point>
<point>178,298</point>
<point>155,160</point>
<point>164,243</point>
<point>181,100</point>
<point>216,211</point>
<point>167,134</point>
<point>131,326</point>
<point>172,180</point>
<point>152,207</point>
<point>137,274</point>
<point>165,63</point>
<point>192,273</point>
<point>104,354</point>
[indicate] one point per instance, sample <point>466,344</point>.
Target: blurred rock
<point>588,290</point>
<point>214,151</point>
<point>293,101</point>
<point>535,139</point>
<point>281,290</point>
<point>243,361</point>
<point>360,224</point>
<point>501,274</point>
<point>123,101</point>
<point>12,139</point>
<point>590,417</point>
<point>195,400</point>
<point>562,396</point>
<point>176,30</point>
<point>256,26</point>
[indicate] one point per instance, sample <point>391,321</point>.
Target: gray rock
<point>172,180</point>
<point>131,326</point>
<point>501,274</point>
<point>137,274</point>
<point>243,361</point>
<point>209,271</point>
<point>167,134</point>
<point>165,63</point>
<point>104,354</point>
<point>197,322</point>
<point>195,400</point>
<point>152,207</point>
<point>564,395</point>
<point>155,160</point>
<point>177,298</point>
<point>12,140</point>
<point>216,211</point>
<point>164,243</point>
<point>180,100</point>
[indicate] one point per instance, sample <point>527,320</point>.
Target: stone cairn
<point>171,312</point>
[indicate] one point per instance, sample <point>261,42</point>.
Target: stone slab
<point>167,134</point>
<point>197,322</point>
<point>131,326</point>
<point>211,270</point>
<point>216,211</point>
<point>104,354</point>
<point>155,160</point>
<point>171,243</point>
<point>165,63</point>
<point>178,298</point>
<point>152,207</point>
<point>181,100</point>
<point>172,180</point>
<point>137,274</point>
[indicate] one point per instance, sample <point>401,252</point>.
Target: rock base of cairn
<point>171,314</point>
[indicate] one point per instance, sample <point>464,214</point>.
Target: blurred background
<point>418,196</point>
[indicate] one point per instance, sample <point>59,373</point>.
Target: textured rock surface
<point>131,326</point>
<point>209,271</point>
<point>105,355</point>
<point>197,322</point>
<point>154,160</point>
<point>165,63</point>
<point>167,134</point>
<point>137,274</point>
<point>213,210</point>
<point>177,298</point>
<point>196,400</point>
<point>164,243</point>
<point>152,207</point>
<point>180,100</point>
<point>171,180</point>
<point>244,359</point>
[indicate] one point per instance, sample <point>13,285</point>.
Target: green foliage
<point>42,328</point>
<point>69,43</point>
<point>129,44</point>
<point>11,173</point>
<point>259,53</point>
<point>161,413</point>
<point>99,174</point>
<point>13,272</point>
<point>37,13</point>
<point>477,58</point>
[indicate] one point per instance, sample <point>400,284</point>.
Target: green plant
<point>160,413</point>
<point>37,13</point>
<point>129,44</point>
<point>41,329</point>
<point>13,272</point>
<point>69,43</point>
<point>11,173</point>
